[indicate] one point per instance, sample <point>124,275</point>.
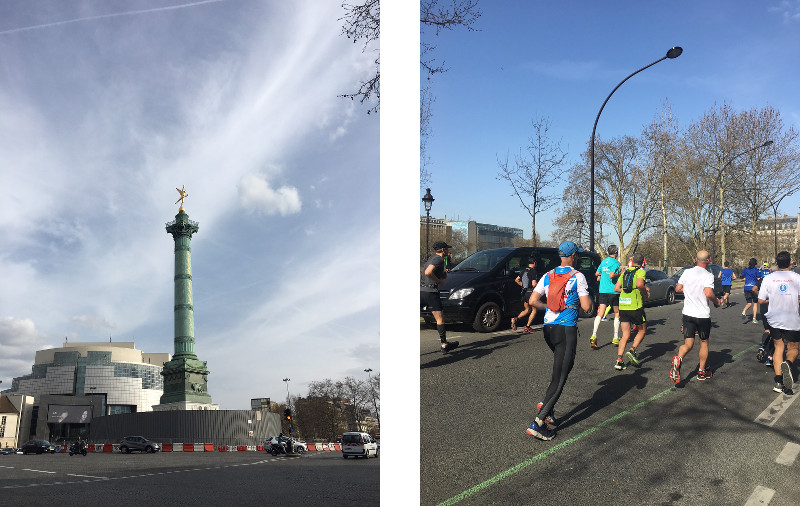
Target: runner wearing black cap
<point>433,274</point>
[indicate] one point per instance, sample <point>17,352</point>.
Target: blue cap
<point>568,248</point>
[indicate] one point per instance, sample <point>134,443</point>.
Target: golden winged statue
<point>184,195</point>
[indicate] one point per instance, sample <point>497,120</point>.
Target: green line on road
<point>525,464</point>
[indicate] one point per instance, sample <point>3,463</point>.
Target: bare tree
<point>436,16</point>
<point>532,176</point>
<point>362,22</point>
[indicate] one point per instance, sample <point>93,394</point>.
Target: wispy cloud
<point>257,195</point>
<point>788,9</point>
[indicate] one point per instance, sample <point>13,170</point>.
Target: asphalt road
<point>629,437</point>
<point>198,479</point>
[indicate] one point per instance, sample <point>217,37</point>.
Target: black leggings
<point>563,341</point>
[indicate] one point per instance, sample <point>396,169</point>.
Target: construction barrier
<point>199,448</point>
<point>222,448</point>
<point>311,447</point>
<point>188,447</point>
<point>260,448</point>
<point>90,448</point>
<point>337,447</point>
<point>177,447</point>
<point>98,448</point>
<point>241,448</point>
<point>208,447</point>
<point>108,447</point>
<point>166,447</point>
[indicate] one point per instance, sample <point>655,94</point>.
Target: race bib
<point>625,301</point>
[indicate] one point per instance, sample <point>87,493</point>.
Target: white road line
<point>760,496</point>
<point>89,476</point>
<point>776,409</point>
<point>789,454</point>
<point>40,471</point>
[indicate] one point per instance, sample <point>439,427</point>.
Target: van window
<point>351,439</point>
<point>585,264</point>
<point>548,262</point>
<point>513,264</point>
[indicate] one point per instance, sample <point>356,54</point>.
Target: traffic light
<point>287,414</point>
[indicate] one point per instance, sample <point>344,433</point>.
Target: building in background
<point>785,229</point>
<point>88,380</point>
<point>15,419</point>
<point>485,236</point>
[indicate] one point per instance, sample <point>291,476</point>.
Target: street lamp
<point>288,400</point>
<point>671,54</point>
<point>579,222</point>
<point>714,199</point>
<point>427,199</point>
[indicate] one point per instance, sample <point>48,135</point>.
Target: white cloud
<point>256,195</point>
<point>19,339</point>
<point>94,323</point>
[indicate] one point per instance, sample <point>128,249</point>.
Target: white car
<point>358,443</point>
<point>299,447</point>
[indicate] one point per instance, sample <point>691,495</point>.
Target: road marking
<point>788,454</point>
<point>39,471</point>
<point>525,464</point>
<point>775,410</point>
<point>760,496</point>
<point>89,476</point>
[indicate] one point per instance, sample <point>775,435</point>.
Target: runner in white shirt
<point>697,286</point>
<point>781,289</point>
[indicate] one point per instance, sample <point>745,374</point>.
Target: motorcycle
<point>77,448</point>
<point>276,449</point>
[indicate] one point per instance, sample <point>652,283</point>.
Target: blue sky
<point>107,106</point>
<point>560,60</point>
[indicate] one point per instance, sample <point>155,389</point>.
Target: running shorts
<point>750,296</point>
<point>726,289</point>
<point>608,299</point>
<point>692,325</point>
<point>787,334</point>
<point>526,295</point>
<point>633,316</point>
<point>430,301</point>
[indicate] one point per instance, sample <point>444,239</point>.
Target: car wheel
<point>70,453</point>
<point>299,449</point>
<point>344,456</point>
<point>125,449</point>
<point>83,452</point>
<point>487,319</point>
<point>148,449</point>
<point>670,296</point>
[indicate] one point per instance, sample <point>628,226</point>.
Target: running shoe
<point>593,342</point>
<point>513,323</point>
<point>675,371</point>
<point>633,328</point>
<point>448,346</point>
<point>605,319</point>
<point>527,330</point>
<point>620,365</point>
<point>703,374</point>
<point>788,379</point>
<point>615,341</point>
<point>760,354</point>
<point>768,361</point>
<point>788,392</point>
<point>550,419</point>
<point>778,387</point>
<point>540,431</point>
<point>755,322</point>
<point>632,357</point>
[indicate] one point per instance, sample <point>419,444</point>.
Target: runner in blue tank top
<point>726,276</point>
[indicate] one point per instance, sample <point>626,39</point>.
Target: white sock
<point>616,327</point>
<point>596,325</point>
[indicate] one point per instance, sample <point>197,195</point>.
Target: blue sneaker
<point>768,361</point>
<point>541,432</point>
<point>760,354</point>
<point>550,419</point>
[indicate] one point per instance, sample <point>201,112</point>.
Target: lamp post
<point>372,392</point>
<point>427,199</point>
<point>714,197</point>
<point>671,54</point>
<point>579,222</point>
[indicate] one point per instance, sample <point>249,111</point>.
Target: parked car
<point>713,269</point>
<point>138,443</point>
<point>38,447</point>
<point>358,443</point>
<point>481,290</point>
<point>662,287</point>
<point>299,447</point>
<point>8,450</point>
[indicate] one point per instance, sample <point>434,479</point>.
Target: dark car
<point>8,450</point>
<point>662,287</point>
<point>38,447</point>
<point>481,290</point>
<point>138,443</point>
<point>713,269</point>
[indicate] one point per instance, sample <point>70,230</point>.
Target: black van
<point>481,288</point>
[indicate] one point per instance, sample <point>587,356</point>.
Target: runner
<point>782,290</point>
<point>751,274</point>
<point>527,280</point>
<point>726,276</point>
<point>697,286</point>
<point>631,285</point>
<point>434,274</point>
<point>607,297</point>
<point>560,330</point>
